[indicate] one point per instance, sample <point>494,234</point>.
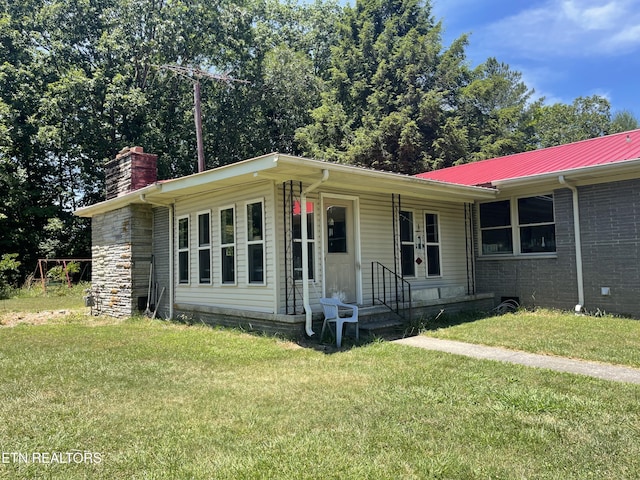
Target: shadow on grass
<point>409,329</point>
<point>326,343</point>
<point>445,320</point>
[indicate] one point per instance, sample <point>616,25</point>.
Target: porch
<point>373,319</point>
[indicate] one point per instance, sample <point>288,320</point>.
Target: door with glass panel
<point>340,256</point>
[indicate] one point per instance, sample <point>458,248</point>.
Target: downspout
<point>171,235</point>
<point>305,252</point>
<point>171,258</point>
<point>578,242</point>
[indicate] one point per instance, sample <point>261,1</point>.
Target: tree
<point>497,109</point>
<point>81,80</point>
<point>586,117</point>
<point>623,121</point>
<point>77,83</point>
<point>9,267</point>
<point>391,90</point>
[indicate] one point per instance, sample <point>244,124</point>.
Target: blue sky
<point>563,48</point>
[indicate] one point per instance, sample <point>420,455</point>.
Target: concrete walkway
<point>560,364</point>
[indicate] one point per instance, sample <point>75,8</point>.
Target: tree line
<point>369,84</point>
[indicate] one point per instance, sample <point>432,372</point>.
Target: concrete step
<point>382,327</point>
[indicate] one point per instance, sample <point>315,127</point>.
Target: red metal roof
<point>595,151</point>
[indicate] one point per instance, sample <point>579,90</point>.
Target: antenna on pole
<point>195,75</point>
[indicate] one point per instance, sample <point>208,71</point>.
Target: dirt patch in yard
<point>11,319</point>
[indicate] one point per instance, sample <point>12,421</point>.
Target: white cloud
<point>627,37</point>
<point>567,28</point>
<point>536,77</point>
<point>600,17</point>
<point>604,93</point>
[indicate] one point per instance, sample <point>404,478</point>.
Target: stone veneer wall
<point>121,251</point>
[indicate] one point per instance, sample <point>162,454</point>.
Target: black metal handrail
<point>390,289</point>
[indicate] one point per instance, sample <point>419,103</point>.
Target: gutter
<point>578,242</point>
<point>117,202</point>
<point>305,252</point>
<point>171,286</point>
<point>392,181</point>
<point>591,171</point>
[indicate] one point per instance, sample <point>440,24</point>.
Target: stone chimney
<point>130,170</point>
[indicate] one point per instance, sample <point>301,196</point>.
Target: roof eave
<point>397,181</point>
<point>167,191</point>
<point>251,166</point>
<point>591,173</point>
<point>118,202</point>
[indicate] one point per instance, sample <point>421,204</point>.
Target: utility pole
<point>195,75</point>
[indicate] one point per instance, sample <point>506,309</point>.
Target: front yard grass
<point>36,299</point>
<point>160,400</point>
<point>606,338</point>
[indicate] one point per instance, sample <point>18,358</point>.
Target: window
<point>536,224</point>
<point>524,226</point>
<point>297,240</point>
<point>204,247</point>
<point>183,250</point>
<point>255,242</point>
<point>407,245</point>
<point>336,229</point>
<point>228,245</point>
<point>432,244</point>
<point>495,226</point>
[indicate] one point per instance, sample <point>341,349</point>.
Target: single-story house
<point>259,242</point>
<point>564,228</point>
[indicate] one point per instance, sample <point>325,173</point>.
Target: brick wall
<point>548,282</point>
<point>610,220</point>
<point>130,170</point>
<point>610,232</point>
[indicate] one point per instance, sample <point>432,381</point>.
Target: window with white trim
<point>432,244</point>
<point>407,244</point>
<point>536,224</point>
<point>183,250</point>
<point>495,227</point>
<point>297,240</point>
<point>519,226</point>
<point>204,247</point>
<point>228,246</point>
<point>255,242</point>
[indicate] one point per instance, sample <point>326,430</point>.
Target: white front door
<point>340,249</point>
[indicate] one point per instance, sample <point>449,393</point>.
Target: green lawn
<point>606,339</point>
<point>159,400</point>
<point>57,297</point>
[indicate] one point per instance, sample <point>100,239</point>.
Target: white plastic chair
<point>331,308</point>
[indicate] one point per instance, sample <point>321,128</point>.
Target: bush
<point>59,274</point>
<point>8,272</point>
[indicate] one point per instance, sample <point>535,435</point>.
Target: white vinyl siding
<point>161,259</point>
<point>285,281</point>
<point>240,295</point>
<point>377,240</point>
<point>376,236</point>
<point>375,223</point>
